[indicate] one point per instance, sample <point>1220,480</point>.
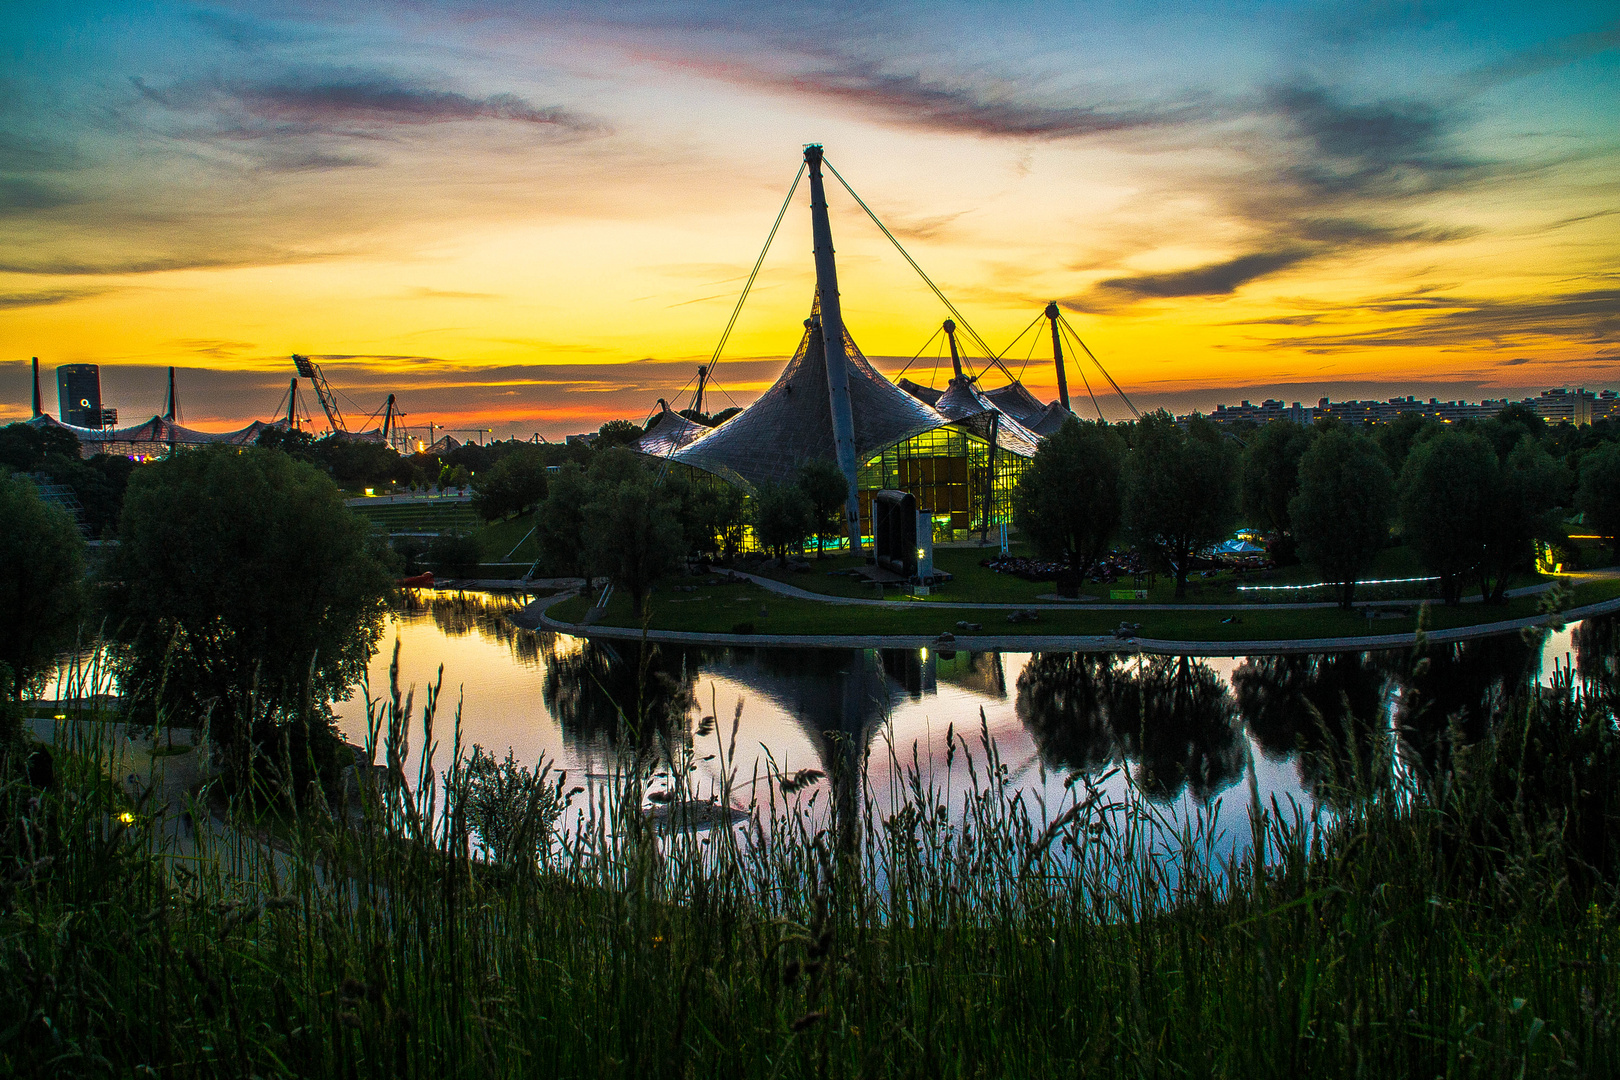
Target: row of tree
<point>1472,500</point>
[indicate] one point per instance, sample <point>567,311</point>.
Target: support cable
<point>1064,322</point>
<point>927,343</point>
<point>714,358</point>
<point>749,284</point>
<point>950,307</point>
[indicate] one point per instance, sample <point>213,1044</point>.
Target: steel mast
<point>1057,355</point>
<point>832,336</point>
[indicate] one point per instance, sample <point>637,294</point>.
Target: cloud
<point>1543,57</point>
<point>1515,362</point>
<point>1382,149</point>
<point>1588,317</point>
<point>351,103</point>
<point>9,301</point>
<point>1212,279</point>
<point>422,292</point>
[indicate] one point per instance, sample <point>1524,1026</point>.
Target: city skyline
<point>539,217</point>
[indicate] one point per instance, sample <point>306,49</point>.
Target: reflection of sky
<point>538,215</point>
<point>502,707</point>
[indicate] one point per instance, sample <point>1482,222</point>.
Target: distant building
<point>1554,406</point>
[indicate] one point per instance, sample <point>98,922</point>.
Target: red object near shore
<point>424,581</point>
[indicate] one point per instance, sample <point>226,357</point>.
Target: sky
<point>536,217</point>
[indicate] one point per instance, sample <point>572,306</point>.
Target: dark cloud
<point>350,103</point>
<point>1212,279</point>
<point>1380,149</point>
<point>911,99</point>
<point>1588,317</point>
<point>23,195</point>
<point>1515,362</point>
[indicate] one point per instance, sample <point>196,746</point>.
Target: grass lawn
<point>497,539</point>
<point>975,584</point>
<point>723,608</point>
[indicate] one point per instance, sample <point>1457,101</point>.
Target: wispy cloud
<point>45,299</point>
<point>1590,317</point>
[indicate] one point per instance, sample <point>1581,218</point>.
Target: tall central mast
<point>832,336</point>
<point>1057,354</point>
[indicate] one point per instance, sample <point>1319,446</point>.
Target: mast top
<point>1052,309</point>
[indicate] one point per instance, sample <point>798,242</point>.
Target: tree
<point>560,526</point>
<point>247,597</point>
<point>454,554</point>
<point>1510,427</point>
<point>1270,478</point>
<point>717,513</point>
<point>513,485</point>
<point>825,485</point>
<point>1180,495</point>
<point>41,582</point>
<point>634,523</point>
<point>1397,437</point>
<point>616,433</point>
<point>1068,501</point>
<point>1341,514</point>
<point>1599,496</point>
<point>783,516</point>
<point>25,447</point>
<point>1447,489</point>
<point>1532,485</point>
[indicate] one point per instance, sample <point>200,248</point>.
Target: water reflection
<point>1172,718</point>
<point>1184,729</point>
<point>1327,710</point>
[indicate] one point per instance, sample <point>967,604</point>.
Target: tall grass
<point>1462,924</point>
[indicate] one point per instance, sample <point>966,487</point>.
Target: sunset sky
<point>535,217</point>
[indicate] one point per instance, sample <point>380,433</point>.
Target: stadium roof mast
<point>1057,355</point>
<point>311,371</point>
<point>832,335</point>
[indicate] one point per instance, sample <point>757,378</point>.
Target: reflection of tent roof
<point>791,423</point>
<point>154,433</point>
<point>1238,547</point>
<point>668,432</point>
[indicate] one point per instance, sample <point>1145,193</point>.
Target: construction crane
<point>312,371</point>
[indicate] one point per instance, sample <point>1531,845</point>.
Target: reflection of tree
<point>1327,707</point>
<point>459,614</point>
<point>628,696</point>
<point>1067,702</point>
<point>1178,723</point>
<point>1172,716</point>
<point>1459,692</point>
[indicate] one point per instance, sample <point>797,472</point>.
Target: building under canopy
<point>942,456</point>
<point>154,438</point>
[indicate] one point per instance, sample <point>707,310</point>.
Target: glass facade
<point>945,469</point>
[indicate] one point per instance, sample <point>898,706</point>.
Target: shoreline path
<point>535,616</point>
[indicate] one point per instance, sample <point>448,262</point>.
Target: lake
<point>1186,733</point>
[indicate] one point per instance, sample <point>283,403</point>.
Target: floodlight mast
<point>832,336</point>
<point>311,371</point>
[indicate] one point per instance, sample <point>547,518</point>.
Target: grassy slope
<point>718,609</point>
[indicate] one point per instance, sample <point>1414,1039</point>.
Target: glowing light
<point>126,818</point>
